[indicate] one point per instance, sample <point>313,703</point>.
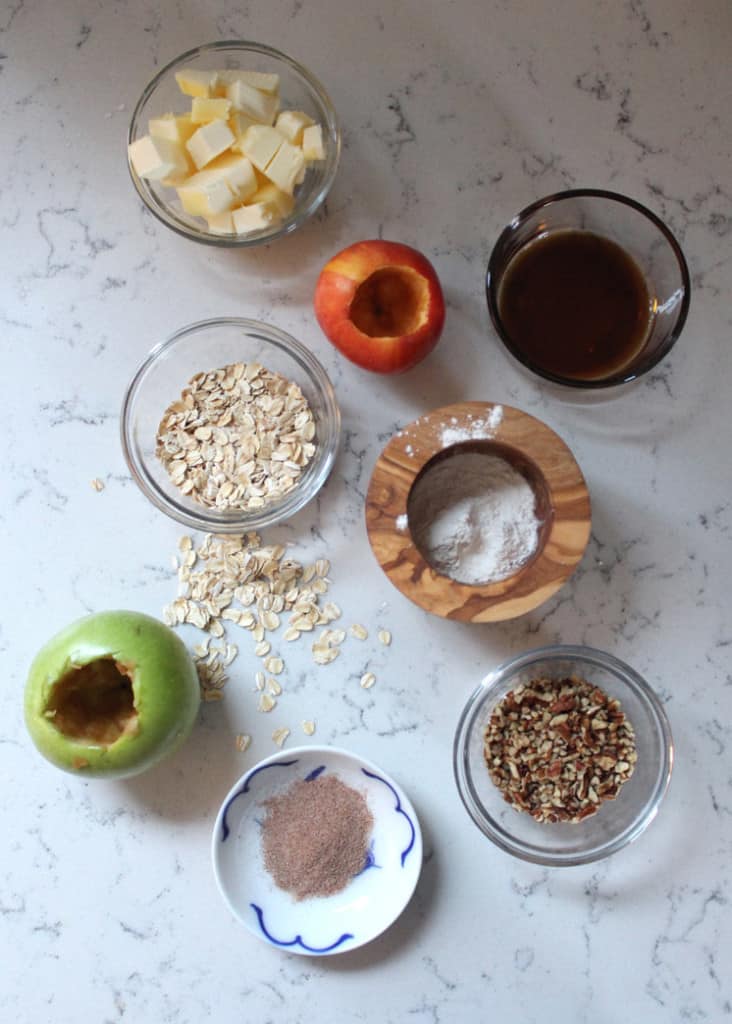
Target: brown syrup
<point>575,305</point>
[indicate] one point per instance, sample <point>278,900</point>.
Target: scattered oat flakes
<point>97,484</point>
<point>384,637</point>
<point>273,687</point>
<point>274,664</point>
<point>263,648</point>
<point>243,741</point>
<point>212,695</point>
<point>280,735</point>
<point>308,727</point>
<point>360,632</point>
<point>367,680</point>
<point>291,634</point>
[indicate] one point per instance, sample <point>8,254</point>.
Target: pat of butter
<point>269,193</point>
<point>239,123</point>
<point>174,127</point>
<point>209,141</point>
<point>237,172</point>
<point>258,105</point>
<point>206,194</point>
<point>265,81</point>
<point>253,217</point>
<point>285,167</point>
<point>312,143</point>
<point>221,223</point>
<point>196,83</point>
<point>260,143</point>
<point>204,110</point>
<point>155,159</point>
<point>291,124</point>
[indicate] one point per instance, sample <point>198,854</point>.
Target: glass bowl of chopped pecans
<point>230,425</point>
<point>563,755</point>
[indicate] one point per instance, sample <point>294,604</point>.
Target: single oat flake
<point>280,735</point>
<point>97,484</point>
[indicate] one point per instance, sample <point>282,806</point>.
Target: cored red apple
<point>381,305</point>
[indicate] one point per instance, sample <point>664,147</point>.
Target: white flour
<point>473,518</point>
<point>480,428</point>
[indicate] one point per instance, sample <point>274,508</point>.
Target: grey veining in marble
<point>456,115</point>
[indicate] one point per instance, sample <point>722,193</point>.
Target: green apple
<point>111,695</point>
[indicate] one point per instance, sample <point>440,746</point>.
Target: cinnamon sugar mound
<point>315,836</point>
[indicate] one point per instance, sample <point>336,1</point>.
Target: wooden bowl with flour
<point>478,512</point>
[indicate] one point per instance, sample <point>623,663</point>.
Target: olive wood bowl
<point>531,447</point>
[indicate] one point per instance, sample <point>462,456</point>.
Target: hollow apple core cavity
<point>94,703</point>
<point>390,303</point>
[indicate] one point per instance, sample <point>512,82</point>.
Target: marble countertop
<point>456,115</point>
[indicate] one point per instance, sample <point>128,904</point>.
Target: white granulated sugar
<point>401,522</point>
<point>480,429</point>
<point>473,517</point>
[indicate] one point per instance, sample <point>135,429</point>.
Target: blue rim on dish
<point>318,926</point>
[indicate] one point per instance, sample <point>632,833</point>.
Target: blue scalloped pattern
<point>400,810</point>
<point>298,940</point>
<point>225,830</point>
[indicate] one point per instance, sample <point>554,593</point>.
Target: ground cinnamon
<point>315,836</point>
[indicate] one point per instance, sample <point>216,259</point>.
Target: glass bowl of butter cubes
<point>233,144</point>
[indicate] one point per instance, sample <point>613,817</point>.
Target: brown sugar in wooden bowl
<point>531,447</point>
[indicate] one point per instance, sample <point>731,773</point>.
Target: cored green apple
<point>381,304</point>
<point>111,695</point>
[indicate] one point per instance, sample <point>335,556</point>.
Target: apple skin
<point>165,690</point>
<point>335,292</point>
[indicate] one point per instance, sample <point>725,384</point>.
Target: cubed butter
<point>265,81</point>
<point>205,110</point>
<point>155,159</point>
<point>193,82</point>
<point>209,141</point>
<point>253,217</point>
<point>285,166</point>
<point>258,105</point>
<point>312,143</point>
<point>269,193</point>
<point>173,127</point>
<point>239,123</point>
<point>260,143</point>
<point>221,223</point>
<point>237,172</point>
<point>206,194</point>
<point>291,124</point>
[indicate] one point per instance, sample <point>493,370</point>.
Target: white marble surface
<point>456,114</point>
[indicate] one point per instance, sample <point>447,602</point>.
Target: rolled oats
<point>239,437</point>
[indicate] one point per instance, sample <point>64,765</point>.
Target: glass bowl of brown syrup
<point>588,288</point>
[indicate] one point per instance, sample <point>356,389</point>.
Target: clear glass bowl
<point>636,230</point>
<point>299,89</point>
<point>208,345</point>
<point>618,822</point>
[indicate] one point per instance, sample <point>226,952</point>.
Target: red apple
<point>381,305</point>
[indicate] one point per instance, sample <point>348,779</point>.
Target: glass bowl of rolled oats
<point>230,425</point>
<point>563,755</point>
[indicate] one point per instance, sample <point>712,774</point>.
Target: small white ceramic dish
<point>326,925</point>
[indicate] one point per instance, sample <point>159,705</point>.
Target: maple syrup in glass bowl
<point>588,288</point>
